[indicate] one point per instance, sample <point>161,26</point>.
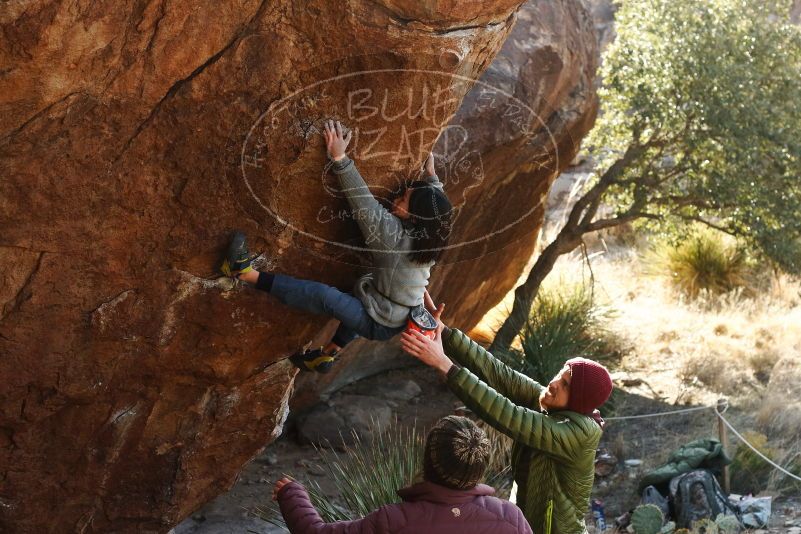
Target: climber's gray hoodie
<point>396,283</point>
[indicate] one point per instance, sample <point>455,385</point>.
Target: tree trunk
<point>567,240</point>
<point>579,222</point>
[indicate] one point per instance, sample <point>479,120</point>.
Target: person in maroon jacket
<point>448,501</point>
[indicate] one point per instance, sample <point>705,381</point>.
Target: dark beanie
<point>590,385</point>
<point>457,453</point>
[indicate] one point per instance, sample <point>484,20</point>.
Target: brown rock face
<point>134,136</point>
<point>524,122</point>
<point>516,130</point>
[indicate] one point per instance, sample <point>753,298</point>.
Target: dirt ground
<point>650,441</point>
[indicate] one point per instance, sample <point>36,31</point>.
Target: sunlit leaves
<point>716,86</point>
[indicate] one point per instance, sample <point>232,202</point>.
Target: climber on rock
<point>555,427</point>
<point>404,242</point>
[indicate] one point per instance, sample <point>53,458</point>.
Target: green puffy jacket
<point>698,454</point>
<point>553,455</point>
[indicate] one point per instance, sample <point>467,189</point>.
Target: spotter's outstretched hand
<point>279,484</point>
<point>427,350</point>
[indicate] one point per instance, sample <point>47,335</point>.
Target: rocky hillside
<point>134,136</point>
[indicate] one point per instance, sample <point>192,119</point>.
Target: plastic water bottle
<point>598,514</point>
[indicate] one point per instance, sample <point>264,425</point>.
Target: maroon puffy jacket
<point>426,507</point>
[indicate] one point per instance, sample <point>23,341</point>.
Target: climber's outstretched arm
<point>381,229</point>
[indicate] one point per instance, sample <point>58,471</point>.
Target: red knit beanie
<point>590,385</point>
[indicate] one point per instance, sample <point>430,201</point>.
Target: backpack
<point>697,495</point>
<point>650,495</point>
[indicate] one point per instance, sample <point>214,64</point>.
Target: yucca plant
<point>499,470</point>
<point>704,263</point>
<point>564,323</point>
<point>366,475</point>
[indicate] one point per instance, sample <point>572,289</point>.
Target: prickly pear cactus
<point>727,524</point>
<point>647,519</point>
<point>705,526</point>
<point>668,528</point>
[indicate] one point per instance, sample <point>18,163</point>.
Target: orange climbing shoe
<point>313,360</point>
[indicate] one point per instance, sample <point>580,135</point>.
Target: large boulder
<point>521,124</point>
<point>134,136</point>
<point>517,129</point>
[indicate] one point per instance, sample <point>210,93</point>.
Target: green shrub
<point>749,472</point>
<point>703,263</point>
<point>791,461</point>
<point>564,323</point>
<point>499,470</point>
<point>366,475</point>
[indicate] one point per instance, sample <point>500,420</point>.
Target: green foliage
<point>499,469</point>
<point>366,475</point>
<point>564,323</point>
<point>749,472</point>
<point>707,92</point>
<point>647,519</point>
<point>791,461</point>
<point>703,262</point>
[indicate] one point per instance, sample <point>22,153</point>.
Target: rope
<point>719,412</point>
<point>720,409</point>
<point>646,415</point>
<point>741,438</point>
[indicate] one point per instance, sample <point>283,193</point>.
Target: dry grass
<point>780,411</point>
<point>705,348</point>
<point>695,351</point>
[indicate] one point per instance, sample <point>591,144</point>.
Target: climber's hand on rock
<point>336,141</point>
<point>279,485</point>
<point>430,165</point>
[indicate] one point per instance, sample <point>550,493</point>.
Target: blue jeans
<point>318,298</point>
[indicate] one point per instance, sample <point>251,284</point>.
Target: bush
<point>749,472</point>
<point>704,264</point>
<point>564,323</point>
<point>499,471</point>
<point>367,475</point>
<point>781,483</point>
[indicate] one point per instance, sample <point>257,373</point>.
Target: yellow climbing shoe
<point>238,260</point>
<point>313,360</point>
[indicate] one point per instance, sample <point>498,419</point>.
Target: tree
<point>700,123</point>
